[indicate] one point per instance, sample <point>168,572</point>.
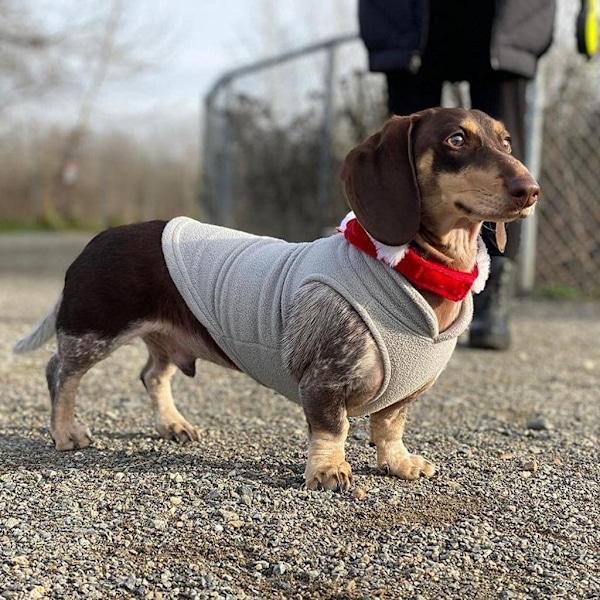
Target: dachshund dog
<point>360,322</point>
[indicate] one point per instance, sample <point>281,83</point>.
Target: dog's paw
<point>335,477</point>
<point>72,437</point>
<point>179,431</point>
<point>408,466</point>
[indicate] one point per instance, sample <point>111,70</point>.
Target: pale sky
<point>209,37</point>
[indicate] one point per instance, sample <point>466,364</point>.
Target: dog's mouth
<point>494,216</point>
<point>463,208</point>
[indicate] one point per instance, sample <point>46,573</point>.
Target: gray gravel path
<point>513,512</point>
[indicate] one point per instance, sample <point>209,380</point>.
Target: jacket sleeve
<point>391,31</point>
<point>522,33</point>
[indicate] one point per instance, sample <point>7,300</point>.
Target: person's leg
<point>503,98</point>
<point>408,93</point>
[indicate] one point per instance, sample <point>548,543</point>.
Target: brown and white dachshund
<point>428,180</point>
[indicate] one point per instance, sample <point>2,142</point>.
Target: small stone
<point>279,568</point>
<point>229,515</point>
<point>507,456</point>
<point>38,591</point>
<point>165,576</point>
<point>214,496</point>
<point>530,465</point>
<point>538,423</point>
<point>175,500</point>
<point>360,434</point>
<point>359,493</point>
<point>11,522</point>
<point>244,490</point>
<point>159,524</point>
<point>129,583</point>
<point>235,524</point>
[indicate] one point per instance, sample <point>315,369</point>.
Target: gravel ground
<point>512,513</point>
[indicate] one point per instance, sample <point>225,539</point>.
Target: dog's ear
<point>381,184</point>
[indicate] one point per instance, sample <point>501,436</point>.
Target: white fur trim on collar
<point>342,226</point>
<point>483,263</point>
<point>390,255</point>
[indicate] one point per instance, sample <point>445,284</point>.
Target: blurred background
<point>240,113</point>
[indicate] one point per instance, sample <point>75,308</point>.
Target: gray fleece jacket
<point>241,287</point>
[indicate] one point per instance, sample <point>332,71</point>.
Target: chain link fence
<point>568,234</point>
<point>276,134</point>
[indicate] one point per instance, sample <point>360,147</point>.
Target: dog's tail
<point>43,331</point>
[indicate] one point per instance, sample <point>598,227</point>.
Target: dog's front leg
<point>326,467</point>
<point>330,352</point>
<point>387,428</point>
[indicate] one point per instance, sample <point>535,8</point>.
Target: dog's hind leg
<point>156,377</point>
<point>74,357</point>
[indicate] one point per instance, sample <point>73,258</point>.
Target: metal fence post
<point>206,192</point>
<point>533,160</point>
<point>325,151</point>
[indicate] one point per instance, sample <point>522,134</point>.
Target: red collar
<point>423,274</point>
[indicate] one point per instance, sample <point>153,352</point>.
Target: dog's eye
<point>457,140</point>
<point>506,144</point>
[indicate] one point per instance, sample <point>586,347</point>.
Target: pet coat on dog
<point>241,287</point>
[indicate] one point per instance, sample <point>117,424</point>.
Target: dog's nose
<point>525,190</point>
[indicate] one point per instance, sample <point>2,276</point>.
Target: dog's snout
<point>525,190</point>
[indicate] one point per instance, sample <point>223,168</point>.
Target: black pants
<point>500,95</point>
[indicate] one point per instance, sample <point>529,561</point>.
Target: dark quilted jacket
<point>397,32</point>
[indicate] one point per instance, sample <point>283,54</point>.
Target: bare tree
<point>30,64</point>
<point>71,50</point>
<point>68,166</point>
<point>48,47</point>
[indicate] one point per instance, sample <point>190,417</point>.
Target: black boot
<point>490,327</point>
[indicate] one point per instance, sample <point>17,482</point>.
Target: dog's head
<point>439,169</point>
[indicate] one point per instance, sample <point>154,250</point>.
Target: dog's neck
<point>444,269</point>
<point>459,249</point>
